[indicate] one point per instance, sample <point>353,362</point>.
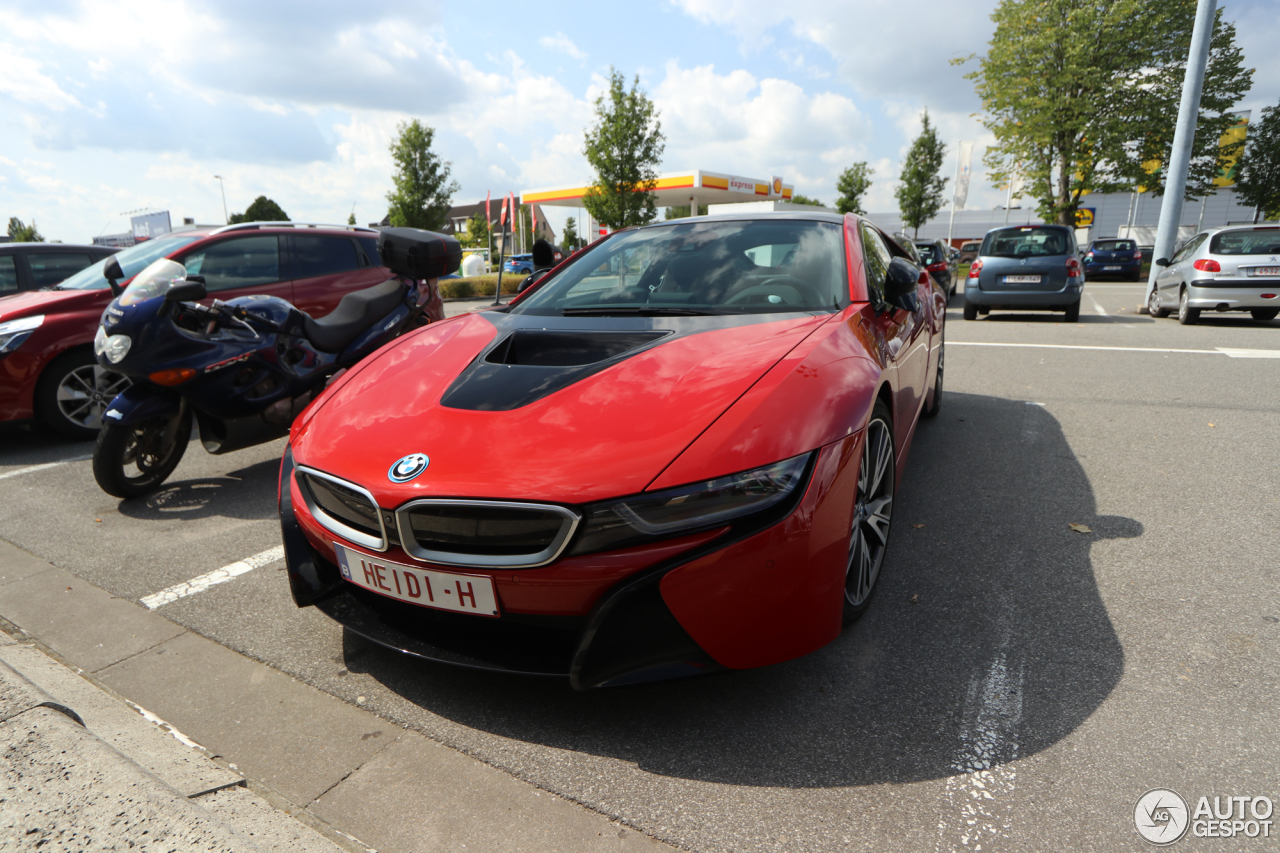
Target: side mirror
<point>190,291</point>
<point>900,279</point>
<point>1162,262</point>
<point>112,273</point>
<point>531,280</point>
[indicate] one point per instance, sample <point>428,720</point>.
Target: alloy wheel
<point>84,394</point>
<point>872,514</point>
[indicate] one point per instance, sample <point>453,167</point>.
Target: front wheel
<point>73,393</point>
<point>133,460</point>
<point>872,514</point>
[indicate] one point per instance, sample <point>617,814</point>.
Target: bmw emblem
<point>408,467</point>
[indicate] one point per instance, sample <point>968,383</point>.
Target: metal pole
<point>954,181</point>
<point>1008,200</point>
<point>1200,222</point>
<point>226,220</point>
<point>497,288</point>
<point>1183,138</point>
<point>1128,228</point>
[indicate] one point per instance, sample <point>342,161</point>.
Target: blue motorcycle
<point>244,369</point>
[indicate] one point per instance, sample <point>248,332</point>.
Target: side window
<point>8,274</point>
<point>877,256</point>
<point>315,254</point>
<point>369,245</point>
<point>50,268</point>
<point>238,262</point>
<point>1188,249</point>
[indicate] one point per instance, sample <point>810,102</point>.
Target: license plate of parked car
<point>1022,279</point>
<point>1109,269</point>
<point>440,590</point>
<point>1267,271</point>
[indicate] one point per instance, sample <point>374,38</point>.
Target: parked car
<point>913,251</point>
<point>1113,258</point>
<point>969,251</point>
<point>522,264</point>
<point>34,266</point>
<point>710,416</point>
<point>47,368</point>
<point>937,258</point>
<point>1221,269</point>
<point>1026,268</point>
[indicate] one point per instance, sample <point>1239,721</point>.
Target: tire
<point>74,391</point>
<point>1153,304</point>
<point>1187,315</point>
<point>1264,315</point>
<point>872,514</point>
<point>932,411</point>
<point>970,310</point>
<point>121,450</point>
<point>1073,312</point>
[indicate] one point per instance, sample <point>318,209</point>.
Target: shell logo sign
<point>776,185</point>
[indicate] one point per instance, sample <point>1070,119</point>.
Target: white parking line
<point>33,468</point>
<point>222,575</point>
<point>1097,307</point>
<point>1230,352</point>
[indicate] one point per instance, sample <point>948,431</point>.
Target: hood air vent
<point>534,348</point>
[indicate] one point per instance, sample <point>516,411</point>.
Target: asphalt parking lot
<point>1080,604</point>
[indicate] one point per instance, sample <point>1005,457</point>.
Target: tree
<point>852,185</point>
<point>263,209</point>
<point>423,190</point>
<point>681,211</point>
<point>1258,175</point>
<point>570,241</point>
<point>351,218</point>
<point>624,147</point>
<point>477,233</point>
<point>919,193</point>
<point>797,198</point>
<point>1081,96</point>
<point>20,233</point>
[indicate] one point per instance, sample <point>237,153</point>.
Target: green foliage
<point>797,198</point>
<point>480,285</point>
<point>20,233</point>
<point>351,218</point>
<point>263,209</point>
<point>570,241</point>
<point>477,233</point>
<point>624,147</point>
<point>423,191</point>
<point>919,192</point>
<point>1258,177</point>
<point>852,185</point>
<point>1082,96</point>
<point>681,211</point>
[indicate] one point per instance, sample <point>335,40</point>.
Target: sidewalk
<point>123,730</point>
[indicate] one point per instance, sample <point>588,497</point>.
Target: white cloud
<point>561,43</point>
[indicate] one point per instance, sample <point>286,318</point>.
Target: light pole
<point>226,220</point>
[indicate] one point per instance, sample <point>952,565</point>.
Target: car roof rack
<point>252,226</point>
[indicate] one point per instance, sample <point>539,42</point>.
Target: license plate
<point>1109,269</point>
<point>439,590</point>
<point>1022,279</point>
<point>1267,271</point>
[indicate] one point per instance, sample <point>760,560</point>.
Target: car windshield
<point>1260,241</point>
<point>132,260</point>
<point>928,253</point>
<point>1025,242</point>
<point>757,266</point>
<point>1114,246</point>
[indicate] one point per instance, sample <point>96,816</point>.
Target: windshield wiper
<point>642,310</point>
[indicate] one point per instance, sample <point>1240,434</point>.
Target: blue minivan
<point>1026,268</point>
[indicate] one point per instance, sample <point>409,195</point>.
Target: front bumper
<point>721,599</point>
<point>1233,294</point>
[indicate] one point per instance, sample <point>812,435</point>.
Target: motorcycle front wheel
<point>133,460</point>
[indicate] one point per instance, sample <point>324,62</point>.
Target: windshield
<point>1114,246</point>
<point>153,281</point>
<point>1261,241</point>
<point>131,261</point>
<point>1025,242</point>
<point>757,266</point>
<point>929,253</point>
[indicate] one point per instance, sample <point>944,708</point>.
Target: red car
<point>677,453</point>
<point>47,368</point>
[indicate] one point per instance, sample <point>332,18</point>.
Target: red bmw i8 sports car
<point>677,453</point>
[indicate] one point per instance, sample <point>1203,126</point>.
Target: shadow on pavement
<point>987,642</point>
<point>247,493</point>
<point>35,444</point>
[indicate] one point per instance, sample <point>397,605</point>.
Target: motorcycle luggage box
<point>419,254</point>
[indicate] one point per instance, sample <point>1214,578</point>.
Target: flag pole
<point>954,182</point>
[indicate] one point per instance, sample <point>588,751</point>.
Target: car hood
<point>470,394</point>
<point>32,302</point>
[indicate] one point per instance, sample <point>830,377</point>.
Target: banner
<point>488,217</point>
<point>150,225</point>
<point>964,173</point>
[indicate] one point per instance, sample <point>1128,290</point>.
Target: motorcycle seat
<point>355,313</point>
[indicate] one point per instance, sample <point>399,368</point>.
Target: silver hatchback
<point>1221,269</point>
<point>1026,267</point>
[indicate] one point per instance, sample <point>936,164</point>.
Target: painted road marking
<point>222,575</point>
<point>1230,352</point>
<point>33,468</point>
<point>1096,306</point>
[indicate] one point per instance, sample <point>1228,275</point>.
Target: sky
<point>107,109</point>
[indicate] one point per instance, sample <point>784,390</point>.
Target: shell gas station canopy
<point>675,189</point>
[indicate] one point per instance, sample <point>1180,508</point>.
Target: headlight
<point>14,332</point>
<point>662,515</point>
<point>114,347</point>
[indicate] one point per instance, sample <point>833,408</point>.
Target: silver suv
<point>1026,267</point>
<point>1221,269</point>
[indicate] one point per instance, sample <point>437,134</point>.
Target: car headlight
<point>14,332</point>
<point>684,509</point>
<point>114,347</point>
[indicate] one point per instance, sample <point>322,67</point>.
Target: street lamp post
<point>226,220</point>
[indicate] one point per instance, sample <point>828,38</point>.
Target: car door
<point>1170,279</point>
<point>905,334</point>
<point>239,265</point>
<point>326,267</point>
